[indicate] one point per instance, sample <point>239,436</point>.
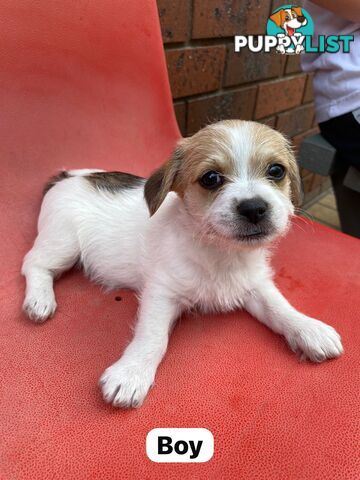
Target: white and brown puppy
<point>215,207</point>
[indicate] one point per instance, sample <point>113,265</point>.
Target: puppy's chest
<point>219,290</point>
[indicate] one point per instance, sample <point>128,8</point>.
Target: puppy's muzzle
<point>253,210</point>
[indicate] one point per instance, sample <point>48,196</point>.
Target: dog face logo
<point>290,21</point>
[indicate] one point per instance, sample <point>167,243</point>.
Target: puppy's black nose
<point>301,19</point>
<point>253,209</point>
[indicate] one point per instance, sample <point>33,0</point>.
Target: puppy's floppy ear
<point>298,11</point>
<point>163,180</point>
<point>277,18</point>
<point>295,180</point>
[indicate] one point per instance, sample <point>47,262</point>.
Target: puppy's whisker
<point>305,216</point>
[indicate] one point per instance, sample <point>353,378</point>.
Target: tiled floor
<point>323,210</point>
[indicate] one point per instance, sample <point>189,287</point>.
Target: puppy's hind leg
<point>55,250</point>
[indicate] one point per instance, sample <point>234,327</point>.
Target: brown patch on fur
<point>295,181</point>
<point>209,149</point>
<point>114,181</point>
<point>162,181</point>
<point>273,147</point>
<point>55,179</point>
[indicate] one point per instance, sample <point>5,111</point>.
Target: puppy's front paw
<point>316,341</point>
<point>126,385</point>
<point>40,307</point>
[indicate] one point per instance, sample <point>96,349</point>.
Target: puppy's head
<point>291,17</point>
<point>238,181</point>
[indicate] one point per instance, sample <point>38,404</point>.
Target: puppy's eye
<point>276,171</point>
<point>211,180</point>
<point>287,18</point>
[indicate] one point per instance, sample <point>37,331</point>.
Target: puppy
<point>196,234</point>
<point>289,19</point>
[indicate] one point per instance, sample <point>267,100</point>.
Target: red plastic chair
<point>84,84</point>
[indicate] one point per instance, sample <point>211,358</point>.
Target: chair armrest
<point>317,155</point>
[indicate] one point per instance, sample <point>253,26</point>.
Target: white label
<point>180,445</point>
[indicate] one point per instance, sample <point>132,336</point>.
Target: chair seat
<point>271,416</point>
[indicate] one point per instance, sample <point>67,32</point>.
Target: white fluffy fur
<point>170,262</point>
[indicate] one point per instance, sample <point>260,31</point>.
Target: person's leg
<point>343,133</point>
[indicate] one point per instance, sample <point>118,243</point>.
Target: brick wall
<point>209,81</point>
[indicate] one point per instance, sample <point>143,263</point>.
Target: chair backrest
<point>82,84</point>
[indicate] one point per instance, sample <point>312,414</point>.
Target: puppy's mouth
<point>253,236</point>
<point>254,232</point>
<point>246,234</point>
